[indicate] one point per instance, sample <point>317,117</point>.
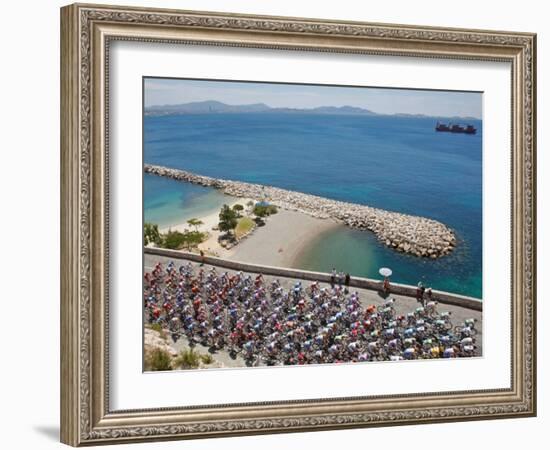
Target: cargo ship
<point>455,128</point>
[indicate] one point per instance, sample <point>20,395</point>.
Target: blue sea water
<point>391,162</point>
<point>168,202</point>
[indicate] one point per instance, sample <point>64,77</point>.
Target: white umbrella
<point>385,271</point>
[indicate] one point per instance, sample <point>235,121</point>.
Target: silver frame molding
<point>86,31</point>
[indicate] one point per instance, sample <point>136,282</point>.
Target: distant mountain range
<point>215,107</point>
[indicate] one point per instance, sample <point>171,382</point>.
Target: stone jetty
<point>414,235</point>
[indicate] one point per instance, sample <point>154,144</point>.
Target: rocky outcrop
<point>405,233</point>
<point>154,339</point>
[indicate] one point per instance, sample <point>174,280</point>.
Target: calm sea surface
<point>394,163</point>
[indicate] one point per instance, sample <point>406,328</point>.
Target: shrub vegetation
<point>261,210</point>
<point>157,359</point>
<point>187,359</point>
<point>177,240</point>
<point>173,240</point>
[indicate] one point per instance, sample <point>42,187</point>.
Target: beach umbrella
<point>385,272</point>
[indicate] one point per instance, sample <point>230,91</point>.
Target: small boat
<point>455,128</point>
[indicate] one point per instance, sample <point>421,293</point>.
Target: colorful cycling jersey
<point>293,323</point>
<point>449,352</point>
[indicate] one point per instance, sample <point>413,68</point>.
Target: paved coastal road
<point>403,305</point>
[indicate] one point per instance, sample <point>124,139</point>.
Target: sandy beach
<point>277,243</point>
<point>209,221</point>
<point>281,240</point>
<point>211,245</point>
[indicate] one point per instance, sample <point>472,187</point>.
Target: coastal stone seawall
<point>362,283</point>
<point>405,233</point>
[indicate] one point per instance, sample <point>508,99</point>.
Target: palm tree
<point>195,223</point>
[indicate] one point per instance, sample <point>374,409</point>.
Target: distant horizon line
<point>344,109</point>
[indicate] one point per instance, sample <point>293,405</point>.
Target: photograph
<point>291,224</point>
<point>290,220</point>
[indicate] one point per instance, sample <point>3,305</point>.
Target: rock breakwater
<point>405,233</point>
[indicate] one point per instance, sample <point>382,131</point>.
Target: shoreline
<point>279,242</point>
<point>209,220</point>
<point>310,245</point>
<point>415,235</point>
<point>284,236</point>
<point>211,245</point>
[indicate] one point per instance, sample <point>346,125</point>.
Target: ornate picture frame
<point>86,34</point>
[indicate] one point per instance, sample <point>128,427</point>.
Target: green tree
<point>195,223</point>
<point>238,208</point>
<point>151,234</point>
<point>228,219</point>
<point>193,238</point>
<point>173,240</point>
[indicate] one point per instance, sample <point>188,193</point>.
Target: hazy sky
<point>384,101</point>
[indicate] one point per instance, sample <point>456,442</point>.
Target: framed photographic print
<point>275,224</point>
